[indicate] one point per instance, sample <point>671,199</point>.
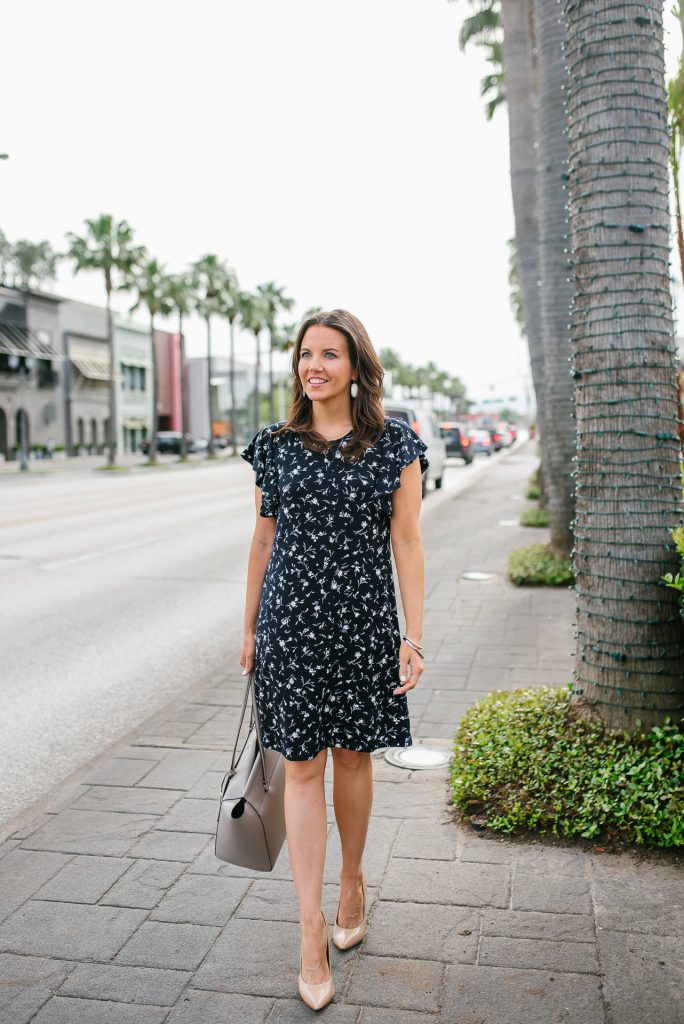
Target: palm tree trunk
<point>111,432</point>
<point>210,404</point>
<point>231,375</point>
<point>522,121</point>
<point>257,372</point>
<point>554,272</point>
<point>152,453</point>
<point>271,396</point>
<point>184,391</point>
<point>630,641</point>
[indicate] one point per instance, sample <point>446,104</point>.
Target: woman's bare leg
<point>307,833</point>
<point>353,799</point>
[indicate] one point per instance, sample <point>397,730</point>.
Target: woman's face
<point>325,369</point>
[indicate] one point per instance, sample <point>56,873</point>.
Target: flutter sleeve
<point>261,456</point>
<point>403,446</point>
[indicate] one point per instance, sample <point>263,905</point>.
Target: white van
<point>426,425</point>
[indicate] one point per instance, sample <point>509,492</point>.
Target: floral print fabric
<point>328,637</point>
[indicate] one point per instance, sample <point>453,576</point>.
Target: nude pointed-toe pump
<point>318,996</point>
<point>345,938</point>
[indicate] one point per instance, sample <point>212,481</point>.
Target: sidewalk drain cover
<point>417,757</point>
<point>477,577</point>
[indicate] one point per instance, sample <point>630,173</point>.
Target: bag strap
<point>253,721</point>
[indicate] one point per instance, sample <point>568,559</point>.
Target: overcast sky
<point>338,148</point>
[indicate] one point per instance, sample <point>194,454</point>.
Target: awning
<point>134,424</point>
<point>17,340</point>
<point>92,369</point>
<point>91,358</point>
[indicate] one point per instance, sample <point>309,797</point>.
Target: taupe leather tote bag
<point>250,828</point>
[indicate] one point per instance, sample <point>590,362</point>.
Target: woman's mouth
<point>316,382</point>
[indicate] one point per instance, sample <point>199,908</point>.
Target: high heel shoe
<point>318,996</point>
<point>345,938</point>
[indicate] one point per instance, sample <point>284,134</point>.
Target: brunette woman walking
<point>338,488</point>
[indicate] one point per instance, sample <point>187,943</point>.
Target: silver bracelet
<point>414,646</point>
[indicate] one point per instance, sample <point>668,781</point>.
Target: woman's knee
<point>350,760</point>
<point>303,773</point>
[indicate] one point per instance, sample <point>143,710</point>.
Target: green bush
<point>538,565</point>
<point>533,492</point>
<point>534,517</point>
<point>528,759</point>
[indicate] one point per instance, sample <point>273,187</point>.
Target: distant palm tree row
<point>209,288</point>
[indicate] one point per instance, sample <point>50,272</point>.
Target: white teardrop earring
<point>354,389</point>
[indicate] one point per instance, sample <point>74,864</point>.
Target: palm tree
<point>107,246</point>
<point>230,311</point>
<point>209,275</point>
<point>275,300</point>
<point>180,293</point>
<point>253,316</point>
<point>630,644</point>
<point>32,263</point>
<point>484,29</point>
<point>555,293</point>
<point>150,283</point>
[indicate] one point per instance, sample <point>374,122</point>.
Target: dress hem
<point>367,749</point>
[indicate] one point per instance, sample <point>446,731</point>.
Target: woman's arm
<point>407,547</point>
<point>259,555</point>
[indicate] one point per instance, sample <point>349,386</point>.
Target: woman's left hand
<point>410,669</point>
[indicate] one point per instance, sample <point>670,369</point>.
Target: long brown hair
<point>367,413</point>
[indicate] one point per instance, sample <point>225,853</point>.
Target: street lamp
<point>24,369</point>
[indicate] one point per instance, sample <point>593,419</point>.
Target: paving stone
<point>139,799</point>
<point>84,879</point>
<point>71,931</point>
<point>543,954</point>
<point>555,895</point>
<point>391,982</point>
<point>31,826</point>
<point>197,1007</point>
<point>643,977</point>
<point>447,882</point>
<point>199,900</point>
<point>177,946</point>
<point>65,1010</point>
<point>118,771</point>
<point>530,924</point>
<point>98,832</point>
<point>423,931</point>
<point>207,863</point>
<point>261,958</point>
<point>432,841</point>
<point>191,816</point>
<point>144,884</point>
<point>485,849</point>
<point>290,1011</point>
<point>67,796</point>
<point>379,1015</point>
<point>501,995</point>
<point>649,903</point>
<point>7,846</point>
<point>26,983</point>
<point>416,803</point>
<point>208,787</point>
<point>160,845</point>
<point>125,984</point>
<point>180,769</point>
<point>549,860</point>
<point>22,873</point>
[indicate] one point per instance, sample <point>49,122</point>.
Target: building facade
<point>133,361</point>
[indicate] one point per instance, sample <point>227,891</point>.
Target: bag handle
<point>253,721</point>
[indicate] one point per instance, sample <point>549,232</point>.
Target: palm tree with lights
<point>182,299</point>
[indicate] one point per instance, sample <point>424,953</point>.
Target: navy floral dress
<point>328,636</point>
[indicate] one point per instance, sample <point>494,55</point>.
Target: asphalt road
<point>119,591</point>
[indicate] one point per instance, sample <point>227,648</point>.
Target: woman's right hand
<point>248,652</point>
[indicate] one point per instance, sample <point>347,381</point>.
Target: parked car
<point>457,442</point>
<point>425,424</point>
<point>168,443</point>
<point>508,434</point>
<point>497,439</point>
<point>480,442</point>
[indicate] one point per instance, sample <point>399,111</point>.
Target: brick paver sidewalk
<point>113,907</point>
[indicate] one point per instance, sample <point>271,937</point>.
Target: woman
<point>335,484</point>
